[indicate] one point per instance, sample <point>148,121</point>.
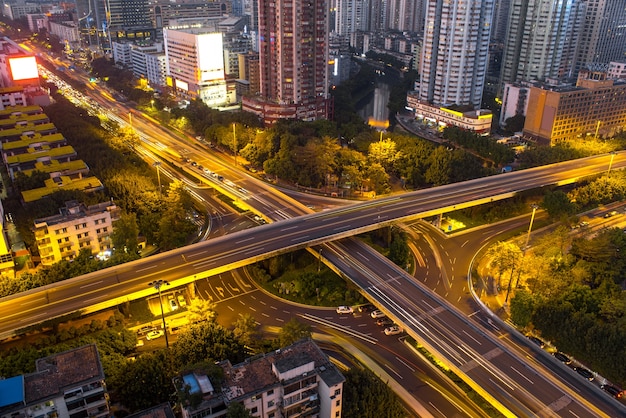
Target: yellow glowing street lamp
<point>530,227</point>
<point>158,284</point>
<point>608,172</point>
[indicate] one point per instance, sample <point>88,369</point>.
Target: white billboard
<point>210,57</point>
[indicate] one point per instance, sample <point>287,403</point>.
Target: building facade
<point>61,237</point>
<point>295,381</point>
<point>455,52</point>
<point>595,107</point>
<point>195,63</point>
<point>293,61</point>
<point>514,101</point>
<point>65,385</point>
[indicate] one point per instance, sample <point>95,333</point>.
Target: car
<point>613,391</point>
<point>393,330</point>
<point>561,357</point>
<point>181,301</point>
<point>145,330</point>
<point>344,310</point>
<point>153,335</point>
<point>584,373</point>
<point>173,304</point>
<point>610,214</point>
<point>537,341</point>
<point>584,224</point>
<point>384,322</point>
<point>377,314</point>
<point>366,308</point>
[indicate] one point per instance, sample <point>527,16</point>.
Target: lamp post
<point>608,172</point>
<point>158,284</point>
<point>319,261</point>
<point>152,103</point>
<point>597,129</point>
<point>530,227</point>
<point>130,119</point>
<point>157,164</point>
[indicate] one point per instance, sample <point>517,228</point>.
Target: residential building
<point>453,63</point>
<point>298,380</point>
<point>11,97</point>
<point>616,70</point>
<point>249,71</point>
<point>67,32</point>
<point>65,385</point>
<point>293,61</point>
<point>61,237</point>
<point>595,107</point>
<point>455,52</point>
<point>7,264</point>
<point>514,101</point>
<point>602,33</point>
<point>195,63</point>
<point>156,69</point>
<point>539,41</point>
<point>16,10</point>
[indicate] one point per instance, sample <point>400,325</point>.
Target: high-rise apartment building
<point>351,16</point>
<point>539,39</point>
<point>455,52</point>
<point>603,34</point>
<point>293,61</point>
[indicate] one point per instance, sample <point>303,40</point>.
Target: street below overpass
<point>502,377</point>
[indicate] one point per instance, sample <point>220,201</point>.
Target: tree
<point>366,396</point>
<point>200,310</point>
<point>125,234</point>
<point>237,410</point>
<point>399,248</point>
<point>293,331</point>
<point>505,256</point>
<point>515,123</point>
<point>206,341</point>
<point>557,204</point>
<point>522,308</point>
<point>245,329</point>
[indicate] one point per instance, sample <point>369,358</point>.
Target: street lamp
<point>530,227</point>
<point>235,143</point>
<point>157,284</point>
<point>319,261</point>
<point>608,172</point>
<point>152,103</point>
<point>157,164</point>
<point>597,129</point>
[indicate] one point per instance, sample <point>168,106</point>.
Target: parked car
<point>584,373</point>
<point>173,304</point>
<point>613,391</point>
<point>611,213</point>
<point>145,330</point>
<point>393,330</point>
<point>536,341</point>
<point>181,301</point>
<point>384,322</point>
<point>377,314</point>
<point>366,308</point>
<point>345,310</point>
<point>562,357</point>
<point>153,335</point>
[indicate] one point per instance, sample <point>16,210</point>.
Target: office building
<point>595,107</point>
<point>65,385</point>
<point>195,63</point>
<point>293,61</point>
<point>616,70</point>
<point>455,52</point>
<point>162,12</point>
<point>63,236</point>
<point>295,381</point>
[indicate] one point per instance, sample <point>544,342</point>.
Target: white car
<point>153,335</point>
<point>181,301</point>
<point>393,330</point>
<point>344,310</point>
<point>377,314</point>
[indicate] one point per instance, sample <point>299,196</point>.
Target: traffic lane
<point>466,348</point>
<point>415,373</point>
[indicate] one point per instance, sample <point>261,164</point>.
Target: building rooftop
<point>87,184</point>
<point>76,210</point>
<point>11,391</point>
<point>62,371</point>
<point>160,411</point>
<point>255,374</point>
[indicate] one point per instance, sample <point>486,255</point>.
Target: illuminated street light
<point>319,261</point>
<point>152,103</point>
<point>235,143</point>
<point>157,284</point>
<point>530,227</point>
<point>597,128</point>
<point>130,119</point>
<point>608,172</point>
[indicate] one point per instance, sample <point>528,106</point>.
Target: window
<point>270,404</point>
<point>337,392</point>
<point>254,410</point>
<point>338,402</point>
<point>270,392</point>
